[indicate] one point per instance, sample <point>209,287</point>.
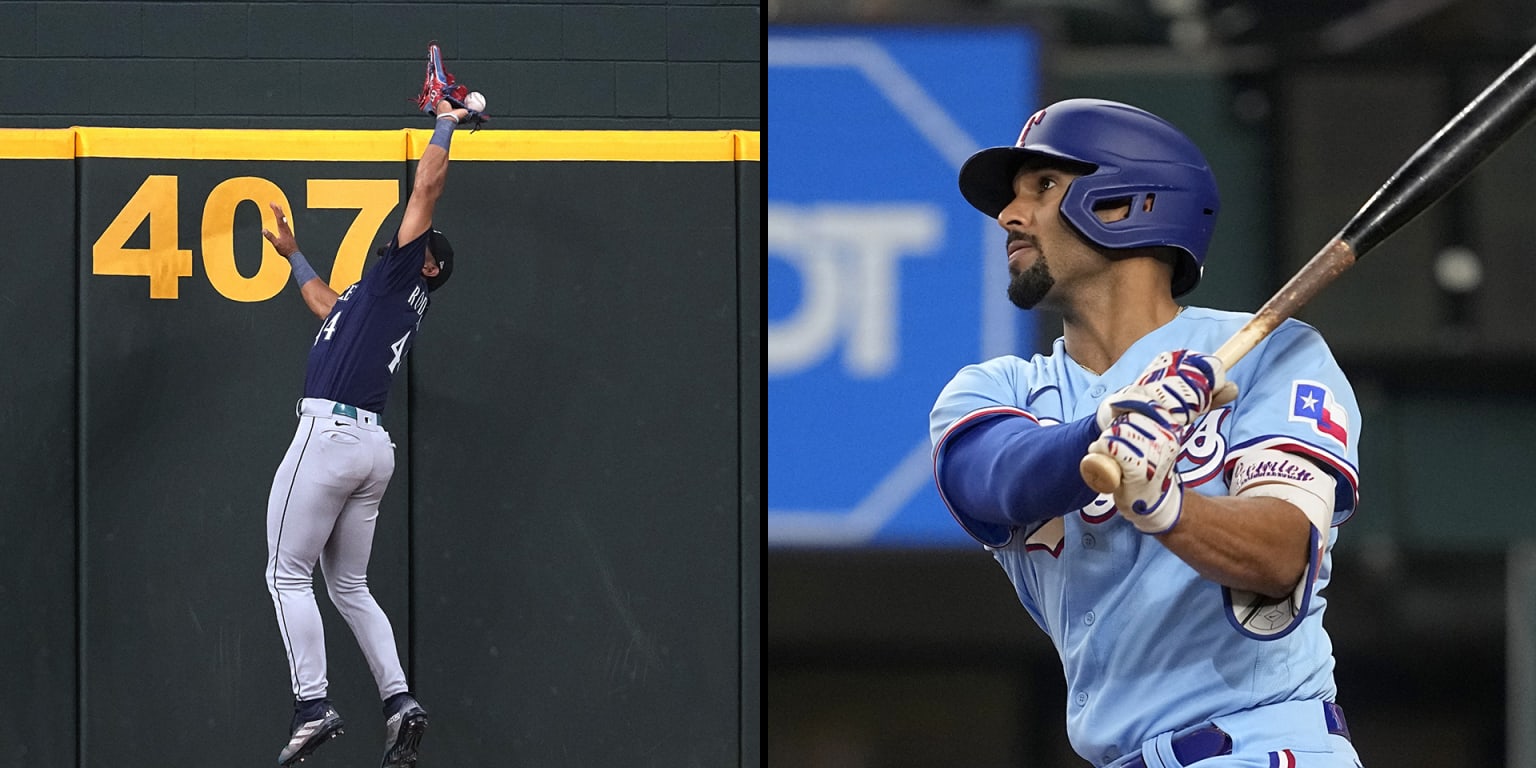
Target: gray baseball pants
<point>323,508</point>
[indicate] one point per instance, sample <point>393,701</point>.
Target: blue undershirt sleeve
<point>1008,471</point>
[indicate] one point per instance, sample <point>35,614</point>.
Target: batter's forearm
<point>1253,544</point>
<point>1009,470</point>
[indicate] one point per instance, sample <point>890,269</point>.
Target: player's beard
<point>1027,287</point>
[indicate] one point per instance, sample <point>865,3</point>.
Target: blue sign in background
<point>882,280</point>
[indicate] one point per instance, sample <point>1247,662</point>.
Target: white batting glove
<point>1187,384</point>
<point>1146,445</point>
<point>1125,400</point>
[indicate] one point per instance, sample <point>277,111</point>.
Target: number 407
<point>164,262</point>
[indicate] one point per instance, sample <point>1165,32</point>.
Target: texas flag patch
<point>1313,403</point>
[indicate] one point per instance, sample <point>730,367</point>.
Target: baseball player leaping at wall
<point>325,495</point>
<point>1186,605</point>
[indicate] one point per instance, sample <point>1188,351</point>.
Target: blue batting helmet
<point>1134,156</point>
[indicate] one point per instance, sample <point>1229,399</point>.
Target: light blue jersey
<point>1147,645</point>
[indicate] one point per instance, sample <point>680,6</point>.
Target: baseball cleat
<point>310,735</point>
<point>402,735</point>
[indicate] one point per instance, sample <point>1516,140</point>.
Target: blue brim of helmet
<point>986,179</point>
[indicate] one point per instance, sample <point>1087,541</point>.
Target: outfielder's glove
<point>1145,442</point>
<point>439,85</point>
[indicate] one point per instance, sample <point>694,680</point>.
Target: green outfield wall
<point>569,549</point>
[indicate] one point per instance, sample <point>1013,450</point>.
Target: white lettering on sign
<point>847,258</point>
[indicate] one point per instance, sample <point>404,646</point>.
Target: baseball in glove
<point>439,85</point>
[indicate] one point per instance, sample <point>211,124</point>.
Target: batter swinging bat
<point>1503,108</point>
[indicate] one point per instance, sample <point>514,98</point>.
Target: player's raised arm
<point>431,175</point>
<point>317,294</point>
<point>451,103</point>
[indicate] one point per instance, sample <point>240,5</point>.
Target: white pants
<point>323,508</point>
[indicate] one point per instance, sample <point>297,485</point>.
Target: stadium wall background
<point>569,549</point>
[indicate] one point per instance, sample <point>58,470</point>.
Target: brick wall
<point>626,64</point>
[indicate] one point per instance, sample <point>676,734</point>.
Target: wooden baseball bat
<point>1444,161</point>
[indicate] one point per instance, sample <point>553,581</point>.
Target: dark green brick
<point>89,29</point>
<point>18,29</point>
<point>693,90</point>
<point>68,91</point>
<point>519,32</point>
<point>567,89</point>
<point>615,33</point>
<point>200,30</point>
<point>741,90</point>
<point>139,87</point>
<point>382,31</point>
<point>640,89</point>
<point>706,124</point>
<point>714,34</point>
<point>259,87</point>
<point>359,88</point>
<point>301,31</point>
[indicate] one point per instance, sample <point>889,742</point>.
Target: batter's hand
<point>1187,384</point>
<point>1146,446</point>
<point>1129,400</point>
<point>283,241</point>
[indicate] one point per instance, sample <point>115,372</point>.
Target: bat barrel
<point>1504,107</point>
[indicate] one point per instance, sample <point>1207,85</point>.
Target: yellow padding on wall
<point>747,145</point>
<point>37,143</point>
<point>240,144</point>
<point>604,146</point>
<point>376,146</point>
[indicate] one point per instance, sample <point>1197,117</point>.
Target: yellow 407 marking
<point>164,262</point>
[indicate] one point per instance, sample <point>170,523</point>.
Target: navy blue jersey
<point>370,330</point>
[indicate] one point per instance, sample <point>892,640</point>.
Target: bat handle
<point>1100,472</point>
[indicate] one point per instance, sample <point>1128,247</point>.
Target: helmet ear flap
<point>1161,212</point>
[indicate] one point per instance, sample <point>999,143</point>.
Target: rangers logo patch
<point>1313,403</point>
